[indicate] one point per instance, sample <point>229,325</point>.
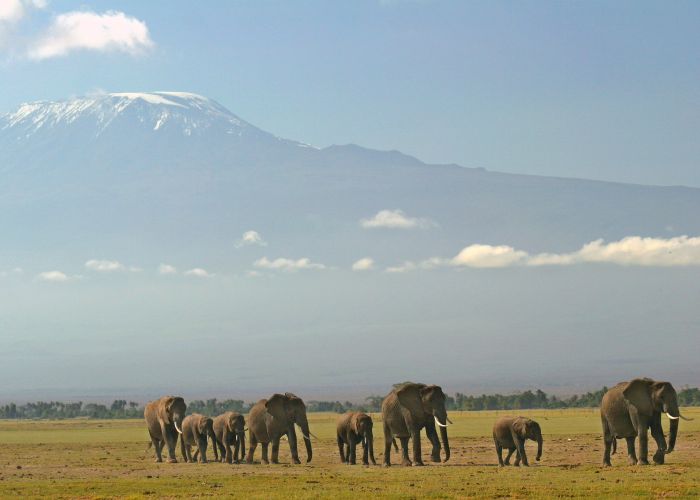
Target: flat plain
<point>109,459</point>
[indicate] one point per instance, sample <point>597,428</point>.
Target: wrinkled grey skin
<point>163,417</point>
<point>196,428</point>
<point>229,429</point>
<point>630,409</point>
<point>510,433</point>
<point>406,410</point>
<point>270,419</point>
<point>354,428</point>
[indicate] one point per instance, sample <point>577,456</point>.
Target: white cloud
<point>488,256</point>
<point>629,251</point>
<point>111,31</point>
<point>198,272</point>
<point>251,238</point>
<point>53,276</point>
<point>289,265</point>
<point>104,266</point>
<point>167,269</point>
<point>11,11</point>
<point>395,219</point>
<point>364,264</point>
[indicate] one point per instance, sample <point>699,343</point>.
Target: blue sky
<point>605,90</point>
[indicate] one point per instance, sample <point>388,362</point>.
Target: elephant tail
<point>396,448</point>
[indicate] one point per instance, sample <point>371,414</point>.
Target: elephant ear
<point>520,426</point>
<point>164,408</point>
<point>638,393</point>
<point>276,406</point>
<point>409,396</point>
<point>355,423</point>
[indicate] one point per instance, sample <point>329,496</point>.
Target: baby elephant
<point>196,429</point>
<point>355,427</point>
<point>229,429</point>
<point>511,433</point>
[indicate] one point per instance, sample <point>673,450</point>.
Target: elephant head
<point>650,397</point>
<point>290,408</point>
<point>426,402</point>
<point>529,429</point>
<point>362,425</point>
<point>171,410</point>
<point>235,424</point>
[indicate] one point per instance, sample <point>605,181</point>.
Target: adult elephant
<point>354,428</point>
<point>511,433</point>
<point>229,429</point>
<point>196,428</point>
<point>407,409</point>
<point>630,409</point>
<point>270,419</point>
<point>164,418</point>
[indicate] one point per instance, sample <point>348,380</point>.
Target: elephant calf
<point>195,430</point>
<point>229,429</point>
<point>511,433</point>
<point>355,427</point>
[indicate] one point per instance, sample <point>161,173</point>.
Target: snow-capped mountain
<point>170,163</point>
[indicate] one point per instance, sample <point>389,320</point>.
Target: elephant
<point>405,411</point>
<point>196,428</point>
<point>270,419</point>
<point>352,428</point>
<point>229,428</point>
<point>629,409</point>
<point>511,433</point>
<point>164,418</point>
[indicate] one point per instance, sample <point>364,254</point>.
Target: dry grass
<point>107,459</point>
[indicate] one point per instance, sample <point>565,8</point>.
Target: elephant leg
<point>292,438</point>
<point>264,453</point>
<point>156,444</point>
<point>631,453</point>
<point>658,434</point>
<point>170,442</point>
<point>643,445</point>
<point>608,439</point>
<point>202,448</point>
<point>516,463</point>
<point>499,452</point>
<point>510,453</point>
<point>275,450</point>
<point>388,439</point>
<point>404,452</point>
<point>352,446</point>
<point>341,449</point>
<point>435,441</point>
<point>251,448</point>
<point>417,458</point>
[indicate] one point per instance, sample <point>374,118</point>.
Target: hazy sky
<point>595,89</point>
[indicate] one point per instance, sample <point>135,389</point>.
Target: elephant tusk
<point>438,422</point>
<point>177,428</point>
<point>684,418</point>
<point>306,437</point>
<point>313,436</point>
<point>671,416</point>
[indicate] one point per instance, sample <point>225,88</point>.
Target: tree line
<point>122,409</point>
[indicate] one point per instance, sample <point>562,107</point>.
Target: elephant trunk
<point>213,444</point>
<point>307,439</point>
<point>241,444</point>
<point>539,445</point>
<point>370,445</point>
<point>672,435</point>
<point>445,442</point>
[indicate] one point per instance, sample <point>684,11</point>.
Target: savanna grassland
<point>108,458</point>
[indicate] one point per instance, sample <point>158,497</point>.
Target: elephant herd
<point>628,411</point>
